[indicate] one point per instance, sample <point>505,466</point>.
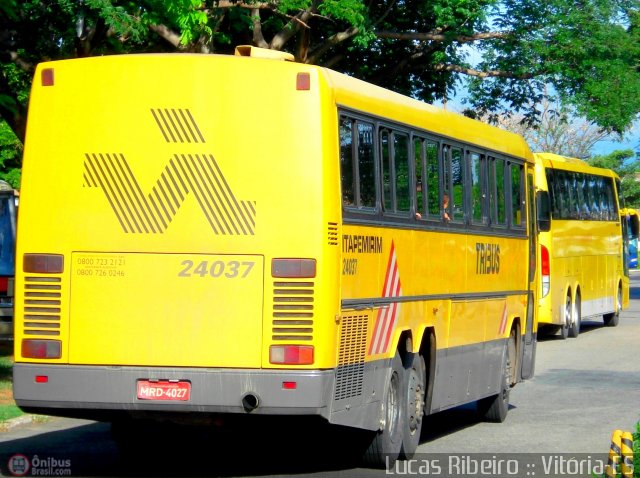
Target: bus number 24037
<point>228,269</point>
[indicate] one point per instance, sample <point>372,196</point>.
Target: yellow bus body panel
<point>191,293</point>
<point>148,142</point>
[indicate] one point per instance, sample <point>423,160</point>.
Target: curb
<point>7,425</point>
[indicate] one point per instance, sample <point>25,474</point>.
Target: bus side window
<point>366,166</point>
<point>385,153</point>
<point>517,195</point>
<point>477,194</point>
<point>594,202</point>
<point>401,172</point>
<point>500,188</point>
<point>457,183</point>
<point>433,179</point>
<point>357,166</point>
<point>347,163</point>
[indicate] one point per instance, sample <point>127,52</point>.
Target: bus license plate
<point>164,390</point>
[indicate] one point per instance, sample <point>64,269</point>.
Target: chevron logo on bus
<point>196,174</point>
<point>388,314</point>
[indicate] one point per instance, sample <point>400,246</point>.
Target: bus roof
<point>556,161</point>
<point>368,98</point>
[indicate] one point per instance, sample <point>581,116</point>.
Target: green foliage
<point>588,54</point>
<point>636,451</point>
<point>10,156</point>
<point>191,19</point>
<point>625,164</point>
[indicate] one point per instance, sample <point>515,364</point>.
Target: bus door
<point>529,345</point>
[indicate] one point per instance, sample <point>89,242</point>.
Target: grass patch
<point>8,408</point>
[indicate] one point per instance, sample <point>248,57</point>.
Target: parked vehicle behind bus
<point>8,208</point>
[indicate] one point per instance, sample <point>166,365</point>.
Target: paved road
<point>583,389</point>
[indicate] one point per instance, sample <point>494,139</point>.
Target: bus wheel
<point>495,408</point>
<point>613,319</point>
<point>568,312</point>
<point>414,394</point>
<point>574,328</point>
<point>384,449</point>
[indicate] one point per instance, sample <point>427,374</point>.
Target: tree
<point>589,52</point>
<point>558,130</point>
<point>627,166</point>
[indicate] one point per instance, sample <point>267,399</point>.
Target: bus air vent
<point>332,230</point>
<point>293,311</point>
<point>353,342</point>
<point>42,305</point>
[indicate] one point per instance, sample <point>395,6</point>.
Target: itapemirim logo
<point>197,174</point>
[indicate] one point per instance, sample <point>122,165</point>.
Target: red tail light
<point>41,349</point>
<point>43,263</point>
<point>544,261</point>
<point>545,270</point>
<point>291,354</point>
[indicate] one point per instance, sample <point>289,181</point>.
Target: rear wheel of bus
<point>385,446</point>
<point>414,390</point>
<point>495,408</point>
<point>402,411</point>
<point>576,319</point>
<point>613,318</point>
<point>568,317</point>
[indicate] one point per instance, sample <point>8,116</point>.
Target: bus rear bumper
<point>99,392</point>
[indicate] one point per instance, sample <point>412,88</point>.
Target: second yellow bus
<point>581,245</point>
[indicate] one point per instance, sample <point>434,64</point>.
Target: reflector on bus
<point>47,77</point>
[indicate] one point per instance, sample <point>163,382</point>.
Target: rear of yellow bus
<point>177,246</point>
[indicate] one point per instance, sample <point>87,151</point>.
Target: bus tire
<point>576,323</point>
<point>413,403</point>
<point>613,319</point>
<point>384,449</point>
<point>568,317</point>
<point>495,408</point>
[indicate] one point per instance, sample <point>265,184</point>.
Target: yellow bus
<point>582,273</point>
<point>216,234</point>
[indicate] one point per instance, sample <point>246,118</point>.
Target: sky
<point>631,141</point>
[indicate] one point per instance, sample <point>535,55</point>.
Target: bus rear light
<point>293,268</point>
<point>291,354</point>
<point>41,349</point>
<point>42,378</point>
<point>47,77</point>
<point>43,263</point>
<point>303,82</point>
<point>545,270</point>
<point>289,385</point>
